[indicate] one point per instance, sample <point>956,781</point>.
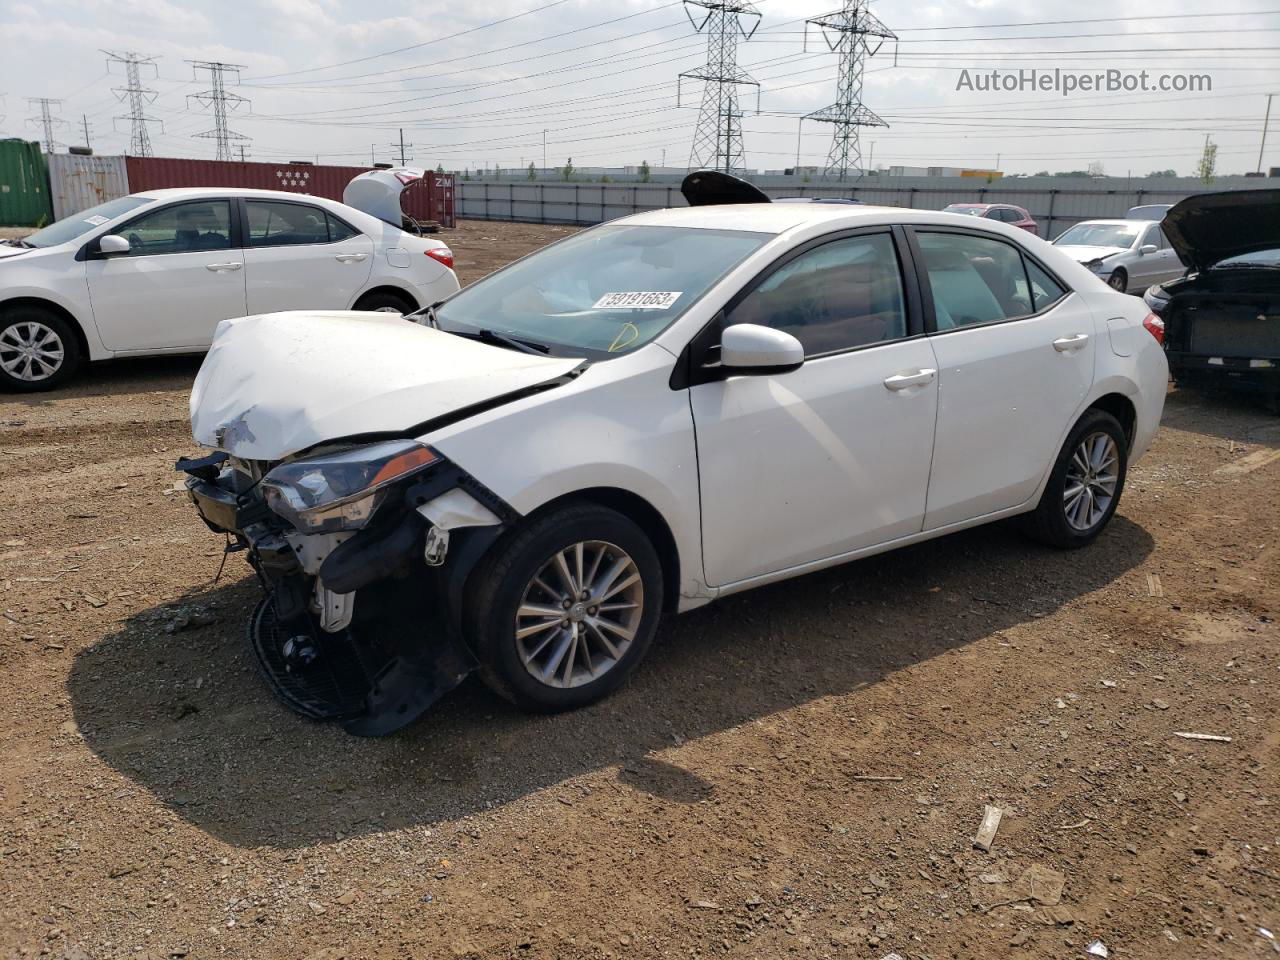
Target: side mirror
<point>1147,249</point>
<point>112,245</point>
<point>751,348</point>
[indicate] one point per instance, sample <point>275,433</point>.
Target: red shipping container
<point>431,198</point>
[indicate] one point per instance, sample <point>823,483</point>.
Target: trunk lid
<point>377,192</point>
<point>1211,227</point>
<point>276,384</point>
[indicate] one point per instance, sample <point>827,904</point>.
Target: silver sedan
<point>1130,255</point>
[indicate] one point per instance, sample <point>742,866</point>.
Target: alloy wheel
<point>1092,477</point>
<point>579,614</point>
<point>31,351</point>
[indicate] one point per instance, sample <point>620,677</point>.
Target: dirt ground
<point>796,772</point>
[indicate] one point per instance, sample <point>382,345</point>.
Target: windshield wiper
<point>502,340</point>
<point>485,335</point>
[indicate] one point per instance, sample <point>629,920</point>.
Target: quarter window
<point>841,295</point>
<point>339,230</point>
<point>277,224</point>
<point>975,280</point>
<point>181,228</point>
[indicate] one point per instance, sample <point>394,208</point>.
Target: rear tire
<point>547,644</point>
<point>381,301</point>
<point>38,350</point>
<point>1084,488</point>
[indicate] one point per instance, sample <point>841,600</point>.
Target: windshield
<point>1098,235</point>
<point>962,208</point>
<point>604,291</point>
<point>1259,258</point>
<point>81,223</point>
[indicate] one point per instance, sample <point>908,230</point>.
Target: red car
<point>1004,212</point>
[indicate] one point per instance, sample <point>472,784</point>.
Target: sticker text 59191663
<point>638,300</point>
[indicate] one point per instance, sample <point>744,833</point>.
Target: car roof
<point>180,193</point>
<point>777,218</point>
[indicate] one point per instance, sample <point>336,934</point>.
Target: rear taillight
<point>442,255</point>
<point>1155,327</point>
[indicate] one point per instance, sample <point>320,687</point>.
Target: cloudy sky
<point>475,84</point>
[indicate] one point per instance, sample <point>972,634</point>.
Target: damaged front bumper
<point>361,627</point>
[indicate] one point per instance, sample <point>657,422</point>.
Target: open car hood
<point>276,384</point>
<point>1211,227</point>
<point>377,192</point>
<point>709,188</point>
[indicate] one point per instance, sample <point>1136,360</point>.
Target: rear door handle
<point>223,267</point>
<point>1074,342</point>
<point>905,381</point>
<point>349,257</point>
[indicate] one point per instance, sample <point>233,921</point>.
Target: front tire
<point>1085,486</point>
<point>564,610</point>
<point>38,350</point>
<point>1119,281</point>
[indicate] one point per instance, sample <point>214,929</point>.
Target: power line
<point>138,97</point>
<point>218,98</point>
<point>856,30</point>
<point>46,120</point>
<point>415,46</point>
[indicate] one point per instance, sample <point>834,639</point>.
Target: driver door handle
<point>223,267</point>
<point>349,257</point>
<point>1074,342</point>
<point>905,381</point>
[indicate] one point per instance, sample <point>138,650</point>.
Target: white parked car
<point>156,272</point>
<point>650,414</point>
<point>1127,255</point>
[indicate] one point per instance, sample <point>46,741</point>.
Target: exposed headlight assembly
<point>1094,265</point>
<point>340,491</point>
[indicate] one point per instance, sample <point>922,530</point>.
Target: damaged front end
<point>363,551</point>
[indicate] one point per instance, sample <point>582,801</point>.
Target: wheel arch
<point>388,288</point>
<point>644,515</point>
<point>59,311</point>
<point>1120,407</point>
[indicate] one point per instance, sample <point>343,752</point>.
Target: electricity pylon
<point>218,98</point>
<point>46,120</point>
<point>717,142</point>
<point>857,35</point>
<point>138,97</point>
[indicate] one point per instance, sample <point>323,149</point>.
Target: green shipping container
<point>24,185</point>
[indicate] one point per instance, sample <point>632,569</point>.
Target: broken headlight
<point>341,491</point>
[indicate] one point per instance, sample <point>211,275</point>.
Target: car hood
<point>276,384</point>
<point>7,251</point>
<point>1210,227</point>
<point>1084,254</point>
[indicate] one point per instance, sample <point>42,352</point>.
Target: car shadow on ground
<point>1225,414</point>
<point>184,715</point>
<point>118,378</point>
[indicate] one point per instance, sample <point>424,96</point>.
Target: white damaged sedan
<point>643,417</point>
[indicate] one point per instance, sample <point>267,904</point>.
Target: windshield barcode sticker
<point>96,221</point>
<point>638,300</point>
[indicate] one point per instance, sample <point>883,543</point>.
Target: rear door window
<point>978,280</point>
<point>282,224</point>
